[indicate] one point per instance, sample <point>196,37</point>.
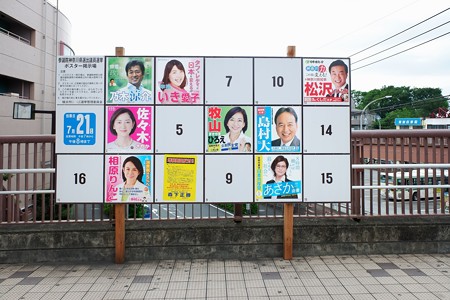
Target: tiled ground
<point>424,276</point>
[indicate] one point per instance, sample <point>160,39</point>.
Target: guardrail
<point>28,196</point>
<point>15,36</point>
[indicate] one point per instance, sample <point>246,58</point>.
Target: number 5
<point>179,129</point>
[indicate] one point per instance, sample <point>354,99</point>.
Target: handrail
<point>11,34</point>
<point>27,171</point>
<point>399,166</point>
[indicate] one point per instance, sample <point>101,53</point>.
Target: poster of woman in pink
<point>179,80</point>
<point>128,129</point>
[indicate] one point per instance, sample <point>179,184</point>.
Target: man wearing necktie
<point>286,126</point>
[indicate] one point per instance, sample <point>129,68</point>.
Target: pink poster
<point>128,178</point>
<point>129,129</point>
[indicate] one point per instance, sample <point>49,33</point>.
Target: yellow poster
<point>180,173</point>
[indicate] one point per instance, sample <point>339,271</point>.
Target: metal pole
<point>364,109</point>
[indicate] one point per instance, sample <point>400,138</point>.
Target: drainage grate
<point>21,274</point>
<point>387,266</point>
<point>414,272</point>
<point>270,275</point>
<point>30,281</point>
<point>143,279</point>
<point>378,273</point>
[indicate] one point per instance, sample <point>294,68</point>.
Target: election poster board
<point>181,129</point>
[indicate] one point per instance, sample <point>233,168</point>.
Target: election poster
<point>129,80</point>
<point>278,178</point>
<point>278,129</point>
<point>229,129</point>
<point>326,81</point>
<point>179,80</point>
<point>128,178</point>
<point>128,129</point>
<point>180,175</point>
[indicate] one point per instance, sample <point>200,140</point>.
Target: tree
<point>406,102</point>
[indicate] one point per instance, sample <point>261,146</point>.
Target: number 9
<point>229,178</point>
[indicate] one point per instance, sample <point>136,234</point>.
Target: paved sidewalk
<point>420,276</point>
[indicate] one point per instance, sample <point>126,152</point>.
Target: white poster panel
<point>179,129</point>
<point>80,179</point>
<point>327,129</point>
<point>228,81</point>
<point>326,81</point>
<point>277,81</point>
<point>326,178</point>
<point>228,178</point>
<point>178,178</point>
<point>79,129</point>
<point>80,80</point>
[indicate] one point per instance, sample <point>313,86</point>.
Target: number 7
<point>229,80</point>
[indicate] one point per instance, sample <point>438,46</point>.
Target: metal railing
<point>15,36</point>
<point>28,196</point>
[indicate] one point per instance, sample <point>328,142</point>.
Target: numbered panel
<point>327,130</point>
<point>80,179</point>
<point>128,178</point>
<point>327,178</point>
<point>79,129</point>
<point>229,81</point>
<point>277,80</point>
<point>178,178</point>
<point>228,178</point>
<point>278,178</point>
<point>179,80</point>
<point>278,129</point>
<point>229,129</point>
<point>179,129</point>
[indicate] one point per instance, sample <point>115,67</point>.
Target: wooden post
<point>119,211</point>
<point>288,228</point>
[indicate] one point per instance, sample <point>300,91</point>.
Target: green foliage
<point>138,208</point>
<point>108,209</point>
<point>406,102</point>
<point>6,177</point>
<point>45,206</point>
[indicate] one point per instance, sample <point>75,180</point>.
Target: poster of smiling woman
<point>129,80</point>
<point>229,129</point>
<point>179,80</point>
<point>129,129</point>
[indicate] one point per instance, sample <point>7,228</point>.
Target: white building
<point>32,34</point>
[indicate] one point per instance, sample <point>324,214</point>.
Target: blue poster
<point>79,128</point>
<point>278,129</point>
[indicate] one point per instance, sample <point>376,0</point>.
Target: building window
<point>16,30</point>
<point>14,87</point>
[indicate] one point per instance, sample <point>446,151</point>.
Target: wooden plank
<point>288,230</point>
<point>288,224</point>
<point>119,212</point>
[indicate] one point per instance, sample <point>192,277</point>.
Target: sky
<point>329,29</point>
